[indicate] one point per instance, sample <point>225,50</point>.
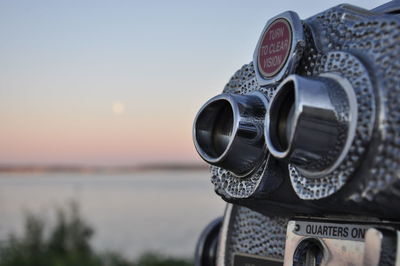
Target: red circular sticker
<point>274,48</point>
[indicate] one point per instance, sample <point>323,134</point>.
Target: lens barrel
<point>308,123</point>
<point>228,132</point>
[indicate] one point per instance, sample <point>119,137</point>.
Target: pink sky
<point>119,82</point>
<point>110,139</point>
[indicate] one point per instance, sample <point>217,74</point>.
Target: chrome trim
<point>311,122</point>
<point>221,250</point>
<point>228,132</point>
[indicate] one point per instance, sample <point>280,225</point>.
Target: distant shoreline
<point>101,169</point>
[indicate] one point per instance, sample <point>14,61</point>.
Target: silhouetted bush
<point>67,243</point>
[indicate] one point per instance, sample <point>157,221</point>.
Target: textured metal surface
<point>375,40</point>
<point>230,185</point>
<point>255,234</point>
<point>243,81</point>
<point>363,48</point>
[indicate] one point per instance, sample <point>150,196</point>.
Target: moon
<point>118,108</point>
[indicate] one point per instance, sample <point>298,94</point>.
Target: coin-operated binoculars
<point>304,144</point>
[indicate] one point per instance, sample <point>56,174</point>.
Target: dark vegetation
<point>67,243</point>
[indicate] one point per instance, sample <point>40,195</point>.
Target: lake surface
<point>130,213</point>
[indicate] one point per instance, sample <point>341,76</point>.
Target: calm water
<point>132,213</point>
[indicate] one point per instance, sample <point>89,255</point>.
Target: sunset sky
<point>119,82</point>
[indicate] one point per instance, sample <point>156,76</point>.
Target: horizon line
<point>84,168</point>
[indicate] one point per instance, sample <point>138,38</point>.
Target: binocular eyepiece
<point>228,132</point>
<point>308,123</point>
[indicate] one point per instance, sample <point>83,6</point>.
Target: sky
<point>119,82</point>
